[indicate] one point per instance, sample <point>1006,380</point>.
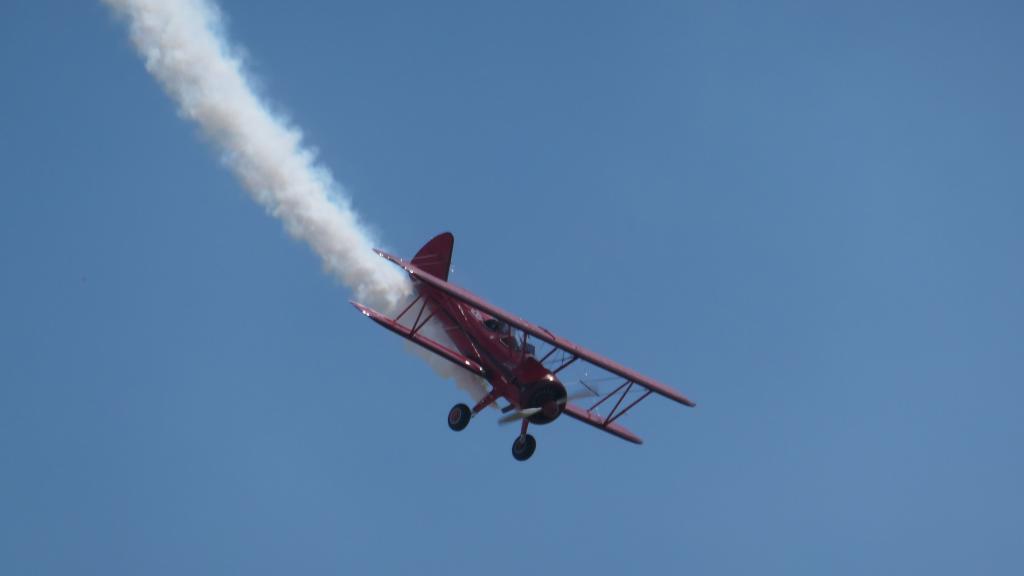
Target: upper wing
<point>540,333</point>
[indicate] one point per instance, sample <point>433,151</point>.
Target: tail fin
<point>435,258</point>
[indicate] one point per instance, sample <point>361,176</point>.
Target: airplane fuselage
<point>510,365</point>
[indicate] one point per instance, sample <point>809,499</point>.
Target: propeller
<point>510,418</point>
<point>527,412</point>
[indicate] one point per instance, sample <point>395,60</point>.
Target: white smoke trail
<point>183,45</point>
<point>185,49</point>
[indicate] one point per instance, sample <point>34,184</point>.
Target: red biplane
<point>496,346</point>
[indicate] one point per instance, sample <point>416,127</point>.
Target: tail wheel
<point>458,417</point>
<point>523,447</point>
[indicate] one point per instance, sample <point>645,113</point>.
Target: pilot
<point>496,325</point>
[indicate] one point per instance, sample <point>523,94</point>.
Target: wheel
<point>458,417</point>
<point>523,447</point>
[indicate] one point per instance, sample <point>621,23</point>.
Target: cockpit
<point>509,338</point>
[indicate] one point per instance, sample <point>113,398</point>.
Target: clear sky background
<point>806,216</point>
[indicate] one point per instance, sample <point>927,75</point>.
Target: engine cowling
<point>547,394</point>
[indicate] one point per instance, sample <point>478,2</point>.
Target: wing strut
<point>565,364</point>
<point>613,415</point>
<point>416,325</point>
<point>413,334</point>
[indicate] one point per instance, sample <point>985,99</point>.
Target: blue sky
<point>804,215</point>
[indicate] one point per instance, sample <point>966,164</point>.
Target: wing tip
<point>366,311</point>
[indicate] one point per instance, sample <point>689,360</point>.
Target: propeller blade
<point>518,415</point>
<point>526,413</point>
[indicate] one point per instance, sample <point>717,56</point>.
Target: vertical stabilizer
<point>435,258</point>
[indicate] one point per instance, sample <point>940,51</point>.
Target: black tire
<point>458,417</point>
<point>523,447</point>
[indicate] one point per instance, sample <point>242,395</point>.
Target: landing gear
<point>458,417</point>
<point>523,447</point>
